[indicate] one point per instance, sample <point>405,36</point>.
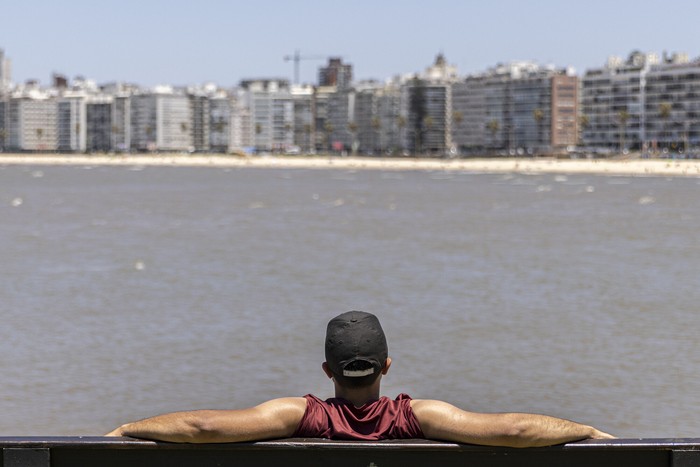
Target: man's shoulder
<point>287,404</point>
<point>290,400</point>
<point>431,408</point>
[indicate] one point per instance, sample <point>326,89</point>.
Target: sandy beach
<point>633,167</point>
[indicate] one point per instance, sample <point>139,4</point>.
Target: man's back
<point>379,419</point>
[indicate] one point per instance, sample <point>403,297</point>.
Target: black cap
<point>355,336</point>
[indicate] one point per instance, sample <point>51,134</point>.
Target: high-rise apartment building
<point>427,107</point>
<point>98,123</point>
<point>645,102</point>
<point>388,115</point>
<point>340,126</point>
<point>304,109</point>
<point>161,120</point>
<point>322,125</point>
<point>144,122</point>
<point>564,111</point>
<point>121,123</point>
<point>72,122</point>
<point>612,102</point>
<point>242,129</point>
<point>271,113</point>
<point>672,104</point>
<point>200,122</point>
<point>477,117</point>
<point>220,127</point>
<point>32,119</point>
<point>367,117</point>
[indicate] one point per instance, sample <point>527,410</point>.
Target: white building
<point>271,113</point>
<point>242,129</point>
<point>161,120</point>
<point>31,121</point>
<point>72,122</point>
<point>121,123</point>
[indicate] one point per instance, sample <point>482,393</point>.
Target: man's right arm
<point>277,418</point>
<point>443,421</point>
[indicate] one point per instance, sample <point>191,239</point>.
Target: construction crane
<point>297,57</point>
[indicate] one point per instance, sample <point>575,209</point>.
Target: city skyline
<point>224,42</point>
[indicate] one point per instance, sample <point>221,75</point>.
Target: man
<point>356,360</point>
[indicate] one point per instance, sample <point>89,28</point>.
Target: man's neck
<point>358,396</point>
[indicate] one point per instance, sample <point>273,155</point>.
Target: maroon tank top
<point>376,420</point>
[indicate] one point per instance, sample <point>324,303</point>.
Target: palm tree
<point>377,127</point>
<point>307,136</point>
<point>287,134</point>
<point>401,123</point>
<point>427,127</point>
<point>538,115</point>
<point>328,130</point>
<point>665,109</point>
<point>39,135</point>
<point>457,118</point>
<point>583,123</point>
<point>493,126</point>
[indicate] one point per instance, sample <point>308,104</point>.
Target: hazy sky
<point>177,42</point>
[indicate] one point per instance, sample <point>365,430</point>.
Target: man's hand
<point>597,434</point>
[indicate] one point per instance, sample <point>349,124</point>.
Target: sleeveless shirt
<point>339,419</point>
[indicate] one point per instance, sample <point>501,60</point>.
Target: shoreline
<point>630,167</point>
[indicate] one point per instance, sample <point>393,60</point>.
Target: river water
<point>128,292</point>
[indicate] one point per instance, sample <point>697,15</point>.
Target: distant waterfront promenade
<point>632,167</point>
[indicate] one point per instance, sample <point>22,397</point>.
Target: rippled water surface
<point>132,291</point>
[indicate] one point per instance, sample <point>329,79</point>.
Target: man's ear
<point>387,364</point>
<point>327,370</point>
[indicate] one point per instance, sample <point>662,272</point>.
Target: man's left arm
<point>277,418</point>
<point>443,421</point>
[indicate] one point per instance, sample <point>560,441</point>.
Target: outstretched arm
<point>443,421</point>
<point>277,418</point>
